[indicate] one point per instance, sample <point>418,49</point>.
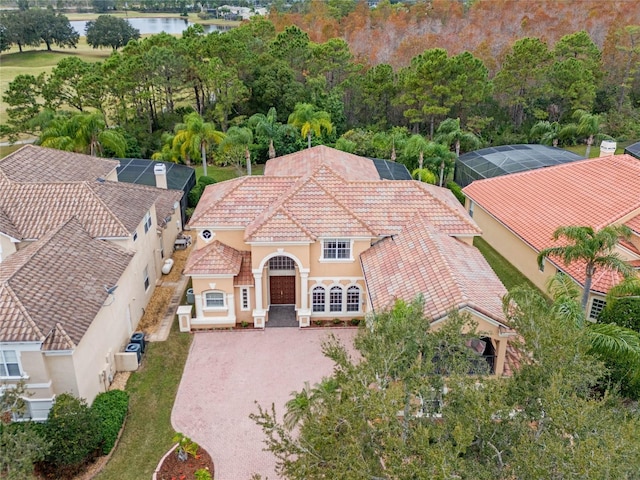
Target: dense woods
<point>509,71</point>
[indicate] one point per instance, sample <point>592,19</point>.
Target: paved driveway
<point>225,374</point>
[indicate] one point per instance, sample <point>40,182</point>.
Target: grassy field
<point>507,273</point>
<point>152,389</point>
<point>595,150</point>
<point>220,174</point>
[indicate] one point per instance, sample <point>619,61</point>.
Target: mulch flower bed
<point>174,469</point>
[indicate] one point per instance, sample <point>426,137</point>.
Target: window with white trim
<point>318,299</point>
<point>244,296</point>
<point>541,264</point>
<point>353,299</point>
<point>145,276</point>
<point>336,249</point>
<point>335,299</point>
<point>135,235</point>
<point>214,300</point>
<point>281,263</point>
<point>147,221</point>
<point>471,208</point>
<point>9,365</point>
<point>597,305</point>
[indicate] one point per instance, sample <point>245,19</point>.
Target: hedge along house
<point>518,214</point>
<point>321,236</point>
<point>81,254</point>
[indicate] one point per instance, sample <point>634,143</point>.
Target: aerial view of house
<point>80,255</point>
<point>322,236</point>
<point>518,214</point>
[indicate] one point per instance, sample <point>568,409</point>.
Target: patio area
<point>227,372</point>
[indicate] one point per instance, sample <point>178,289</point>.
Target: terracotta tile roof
<point>239,201</point>
<point>57,307</point>
<point>214,259</point>
<point>33,164</point>
<point>634,224</point>
<point>245,276</point>
<point>595,192</point>
<point>105,209</point>
<point>348,166</point>
<point>447,272</point>
<point>323,204</point>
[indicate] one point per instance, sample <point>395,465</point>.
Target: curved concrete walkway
<point>225,374</point>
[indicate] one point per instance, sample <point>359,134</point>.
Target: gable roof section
<point>65,300</point>
<point>323,204</point>
<point>596,192</point>
<point>237,202</point>
<point>634,223</point>
<point>214,259</point>
<point>105,209</point>
<point>348,166</point>
<point>33,164</point>
<point>311,207</point>
<point>447,272</point>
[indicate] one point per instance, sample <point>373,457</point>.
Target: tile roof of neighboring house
<point>105,209</point>
<point>446,271</point>
<point>595,192</point>
<point>32,164</point>
<point>298,164</point>
<point>323,204</point>
<point>58,307</point>
<point>215,258</point>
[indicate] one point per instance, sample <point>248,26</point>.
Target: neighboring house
<point>79,257</point>
<point>518,214</point>
<point>321,236</point>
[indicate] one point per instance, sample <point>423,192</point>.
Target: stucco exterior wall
<point>63,375</point>
<point>511,247</point>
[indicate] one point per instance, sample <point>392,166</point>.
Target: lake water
<point>156,25</point>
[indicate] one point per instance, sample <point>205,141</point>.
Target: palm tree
<point>267,126</point>
<point>168,153</point>
<point>587,126</point>
<point>308,120</point>
<point>607,340</point>
<point>547,132</point>
<point>194,136</point>
<point>238,138</point>
<point>416,145</point>
<point>449,133</point>
<point>424,175</point>
<point>82,133</point>
<point>594,248</point>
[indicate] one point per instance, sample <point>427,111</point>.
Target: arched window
<point>335,299</point>
<point>318,299</point>
<point>214,300</point>
<point>353,299</point>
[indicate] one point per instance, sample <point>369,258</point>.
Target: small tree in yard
<point>72,429</point>
<point>21,444</point>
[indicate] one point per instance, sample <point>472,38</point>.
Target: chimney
<point>160,171</point>
<point>607,147</point>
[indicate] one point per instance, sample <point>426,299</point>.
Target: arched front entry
<point>282,280</point>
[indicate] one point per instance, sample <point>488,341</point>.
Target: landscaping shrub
<point>196,192</point>
<point>457,191</point>
<point>110,409</point>
<point>72,430</point>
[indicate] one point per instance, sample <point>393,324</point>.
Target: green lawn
<point>509,275</point>
<point>595,150</point>
<point>220,174</point>
<point>148,431</point>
